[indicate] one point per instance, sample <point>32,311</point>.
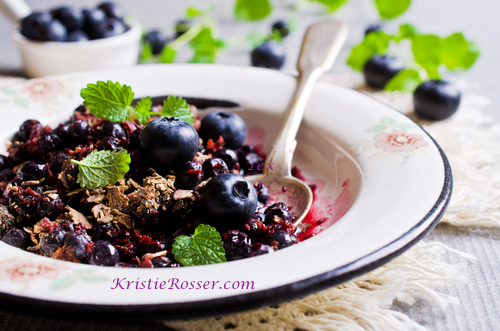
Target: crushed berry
<point>214,166</point>
<point>236,244</point>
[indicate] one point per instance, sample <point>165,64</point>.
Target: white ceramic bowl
<point>50,58</point>
<point>382,184</point>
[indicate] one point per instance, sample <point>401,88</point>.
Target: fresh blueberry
<point>77,35</point>
<point>104,254</point>
<point>436,100</point>
<point>168,142</point>
<point>228,201</point>
<point>112,10</point>
<point>380,69</point>
<point>228,155</point>
<point>4,162</point>
<point>260,249</point>
<point>157,40</point>
<point>189,175</point>
<point>79,131</point>
<point>92,17</point>
<point>62,132</point>
<point>247,155</point>
<point>32,21</point>
<point>373,28</point>
<point>281,239</point>
<point>15,237</point>
<point>108,144</point>
<point>70,175</point>
<point>71,17</point>
<point>50,31</point>
<point>78,243</point>
<point>278,209</point>
<point>236,245</point>
<point>48,207</point>
<point>263,194</point>
<point>269,54</point>
<point>281,27</point>
<point>181,27</point>
<point>50,241</point>
<point>214,166</point>
<point>58,160</point>
<point>110,27</point>
<point>134,139</point>
<point>25,129</point>
<point>110,129</point>
<point>48,142</point>
<point>228,125</point>
<point>32,171</point>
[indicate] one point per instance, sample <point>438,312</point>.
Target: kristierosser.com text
<point>177,284</point>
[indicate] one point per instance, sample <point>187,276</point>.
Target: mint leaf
<point>146,52</point>
<point>426,50</point>
<point>407,31</point>
<point>167,54</point>
<point>252,10</point>
<point>204,247</point>
<point>101,168</point>
<point>143,109</point>
<point>205,46</point>
<point>406,80</point>
<point>192,12</point>
<point>458,53</point>
<point>331,5</point>
<point>109,100</point>
<point>374,43</point>
<point>389,9</point>
<point>177,107</point>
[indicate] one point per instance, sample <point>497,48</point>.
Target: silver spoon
<point>321,45</point>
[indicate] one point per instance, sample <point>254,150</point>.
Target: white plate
<point>383,183</point>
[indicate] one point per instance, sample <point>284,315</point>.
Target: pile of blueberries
<point>70,24</point>
<point>433,100</point>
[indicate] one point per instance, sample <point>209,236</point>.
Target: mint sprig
<point>389,9</point>
<point>205,46</point>
<point>331,5</point>
<point>142,110</point>
<point>108,100</point>
<point>252,10</point>
<point>101,168</point>
<point>374,43</point>
<point>204,247</point>
<point>177,107</point>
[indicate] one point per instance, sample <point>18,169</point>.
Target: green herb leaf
<point>192,12</point>
<point>177,107</point>
<point>109,100</point>
<point>406,80</point>
<point>457,53</point>
<point>142,110</point>
<point>426,50</point>
<point>101,168</point>
<point>389,9</point>
<point>407,31</point>
<point>204,247</point>
<point>374,43</point>
<point>252,10</point>
<point>146,53</point>
<point>168,54</point>
<point>205,46</point>
<point>331,5</point>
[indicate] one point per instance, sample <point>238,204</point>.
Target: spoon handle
<point>321,45</point>
<point>15,10</point>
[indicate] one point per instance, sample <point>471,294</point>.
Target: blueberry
<point>110,27</point>
<point>246,157</point>
<point>228,155</point>
<point>163,262</point>
<point>25,129</point>
<point>157,40</point>
<point>79,131</point>
<point>77,35</point>
<point>15,237</point>
<point>67,225</point>
<point>281,239</point>
<point>70,175</point>
<point>281,27</point>
<point>32,21</point>
<point>269,54</point>
<point>263,194</point>
<point>181,27</point>
<point>32,171</point>
<point>112,10</point>
<point>104,254</point>
<point>134,140</point>
<point>49,242</point>
<point>4,162</point>
<point>62,132</point>
<point>78,243</point>
<point>105,231</point>
<point>260,249</point>
<point>71,17</point>
<point>214,166</point>
<point>278,209</point>
<point>108,144</point>
<point>236,245</point>
<point>189,175</point>
<point>50,31</point>
<point>48,142</point>
<point>168,142</point>
<point>48,207</point>
<point>380,69</point>
<point>228,125</point>
<point>228,201</point>
<point>92,17</point>
<point>110,129</point>
<point>373,28</point>
<point>436,100</point>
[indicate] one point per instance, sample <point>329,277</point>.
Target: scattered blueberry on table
<point>436,100</point>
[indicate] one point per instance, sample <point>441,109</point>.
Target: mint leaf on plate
<point>101,168</point>
<point>374,43</point>
<point>108,100</point>
<point>389,9</point>
<point>331,5</point>
<point>406,80</point>
<point>142,110</point>
<point>204,247</point>
<point>252,10</point>
<point>177,107</point>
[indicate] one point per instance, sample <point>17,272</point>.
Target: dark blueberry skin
<point>269,54</point>
<point>32,21</point>
<point>79,131</point>
<point>110,129</point>
<point>228,125</point>
<point>104,254</point>
<point>112,10</point>
<point>228,155</point>
<point>57,161</point>
<point>67,225</point>
<point>263,194</point>
<point>70,17</point>
<point>77,35</point>
<point>134,140</point>
<point>4,162</point>
<point>246,157</point>
<point>236,245</point>
<point>260,249</point>
<point>373,28</point>
<point>50,241</point>
<point>281,27</point>
<point>278,209</point>
<point>48,207</point>
<point>48,142</point>
<point>50,31</point>
<point>62,132</point>
<point>380,69</point>
<point>15,237</point>
<point>214,166</point>
<point>108,144</point>
<point>282,239</point>
<point>70,175</point>
<point>25,129</point>
<point>110,27</point>
<point>32,171</point>
<point>228,201</point>
<point>157,40</point>
<point>168,142</point>
<point>181,26</point>
<point>92,17</point>
<point>189,175</point>
<point>77,242</point>
<point>436,100</point>
<point>163,262</point>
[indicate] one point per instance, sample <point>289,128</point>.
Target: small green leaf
<point>388,121</point>
<point>252,10</point>
<point>377,129</point>
<point>331,5</point>
<point>204,247</point>
<point>192,12</point>
<point>457,53</point>
<point>146,53</point>
<point>101,168</point>
<point>177,107</point>
<point>22,102</point>
<point>406,80</point>
<point>374,43</point>
<point>142,110</point>
<point>205,46</point>
<point>426,50</point>
<point>8,90</point>
<point>62,283</point>
<point>109,100</point>
<point>168,54</point>
<point>407,31</point>
<point>389,9</point>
